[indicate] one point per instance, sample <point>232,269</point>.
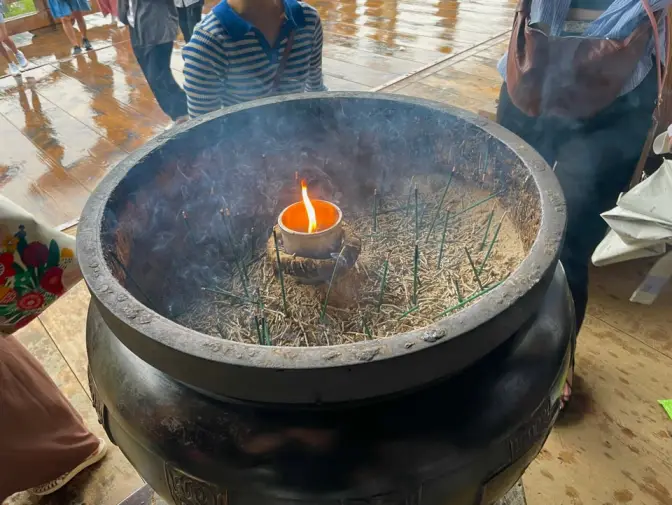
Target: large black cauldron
<point>450,414</point>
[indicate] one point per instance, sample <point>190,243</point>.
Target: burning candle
<point>310,210</point>
<point>311,228</point>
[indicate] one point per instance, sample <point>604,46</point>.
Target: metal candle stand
<point>312,270</point>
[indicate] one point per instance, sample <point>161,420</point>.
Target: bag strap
<point>283,62</point>
<point>656,39</point>
<point>524,7</point>
<point>639,170</point>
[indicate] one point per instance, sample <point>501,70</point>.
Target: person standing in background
<point>153,26</point>
<point>109,8</point>
<point>248,49</point>
<point>66,11</point>
<point>6,40</point>
<point>587,110</point>
<point>189,13</point>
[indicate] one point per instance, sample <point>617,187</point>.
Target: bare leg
<point>73,36</point>
<point>81,24</point>
<point>6,39</point>
<point>5,55</point>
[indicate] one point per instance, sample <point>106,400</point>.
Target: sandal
<point>58,483</point>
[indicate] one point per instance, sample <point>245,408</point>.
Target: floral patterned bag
<point>37,266</point>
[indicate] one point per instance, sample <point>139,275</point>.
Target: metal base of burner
<point>147,496</point>
<point>464,441</point>
<point>313,270</point>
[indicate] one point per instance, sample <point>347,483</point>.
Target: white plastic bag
<point>640,227</point>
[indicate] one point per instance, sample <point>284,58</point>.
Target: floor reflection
<point>69,120</point>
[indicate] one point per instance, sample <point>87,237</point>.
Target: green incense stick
<point>492,244</point>
<point>480,202</point>
<point>439,207</point>
<point>467,300</point>
<point>473,268</point>
<point>258,327</point>
<point>417,216</point>
<point>280,273</point>
<point>487,229</point>
<point>457,290</point>
<point>190,232</point>
<point>367,330</point>
<point>243,274</point>
<point>375,210</point>
<point>382,285</point>
<point>331,282</point>
<point>443,239</point>
<point>409,311</point>
<point>410,193</point>
<point>226,293</point>
<point>416,260</point>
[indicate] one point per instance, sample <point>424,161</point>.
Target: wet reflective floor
<point>70,119</point>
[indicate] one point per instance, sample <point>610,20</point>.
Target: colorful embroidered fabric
<point>37,266</point>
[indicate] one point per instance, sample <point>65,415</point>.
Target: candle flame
<point>310,210</point>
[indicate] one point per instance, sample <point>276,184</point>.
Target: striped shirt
<point>229,61</point>
<point>617,22</point>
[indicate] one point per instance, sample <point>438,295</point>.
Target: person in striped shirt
<point>236,53</point>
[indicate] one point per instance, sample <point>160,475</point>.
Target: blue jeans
<point>594,161</point>
<point>189,17</point>
<point>155,64</point>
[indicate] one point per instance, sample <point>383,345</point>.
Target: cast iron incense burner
<point>448,413</point>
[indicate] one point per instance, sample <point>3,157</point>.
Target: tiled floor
<point>71,120</point>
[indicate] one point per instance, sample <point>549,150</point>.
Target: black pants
<point>594,160</point>
<point>189,17</point>
<point>155,64</point>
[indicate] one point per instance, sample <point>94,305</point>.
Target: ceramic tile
<point>65,321</point>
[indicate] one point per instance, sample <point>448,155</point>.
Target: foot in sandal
<point>567,391</point>
<point>58,483</point>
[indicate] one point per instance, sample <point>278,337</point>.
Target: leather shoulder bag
<point>573,77</point>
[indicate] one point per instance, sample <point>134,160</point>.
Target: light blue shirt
<point>597,5</point>
<point>617,22</point>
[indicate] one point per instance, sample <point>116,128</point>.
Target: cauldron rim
<point>197,358</point>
